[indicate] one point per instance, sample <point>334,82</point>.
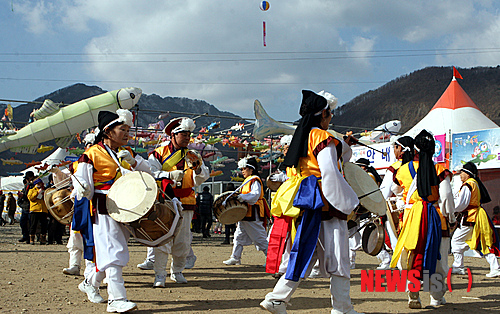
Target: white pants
<point>332,253</point>
<point>116,285</point>
<point>248,233</point>
<point>458,247</point>
<point>110,238</point>
<point>75,250</point>
<point>384,256</point>
<point>354,245</point>
<point>180,248</point>
<point>444,250</point>
<point>150,255</point>
<point>339,289</point>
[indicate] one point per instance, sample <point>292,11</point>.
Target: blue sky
<point>214,51</point>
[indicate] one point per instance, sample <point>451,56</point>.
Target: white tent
<point>455,112</point>
<point>15,183</point>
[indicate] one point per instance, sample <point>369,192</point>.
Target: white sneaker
<point>146,265</point>
<point>493,273</point>
<point>121,306</point>
<point>232,261</point>
<point>435,302</point>
<point>73,270</point>
<point>91,291</point>
<point>190,260</point>
<point>353,266</point>
<point>159,281</point>
<point>458,271</point>
<point>315,273</point>
<point>178,278</point>
<point>384,266</point>
<point>277,307</point>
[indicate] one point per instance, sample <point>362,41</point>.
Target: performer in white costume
<point>75,241</point>
<point>169,162</point>
<point>98,168</point>
<point>251,229</point>
<point>475,226</point>
<point>316,153</point>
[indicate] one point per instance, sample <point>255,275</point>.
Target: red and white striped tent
<point>455,112</point>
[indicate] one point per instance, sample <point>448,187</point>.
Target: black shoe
<point>225,242</point>
<point>22,240</point>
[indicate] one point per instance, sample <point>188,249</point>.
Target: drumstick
<point>72,175</point>
<point>365,195</point>
<point>371,220</point>
<point>357,142</point>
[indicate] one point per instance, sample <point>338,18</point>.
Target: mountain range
<point>407,98</point>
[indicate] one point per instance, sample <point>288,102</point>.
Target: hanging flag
<point>456,74</point>
<point>264,32</point>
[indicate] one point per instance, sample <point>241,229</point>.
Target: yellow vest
<point>185,193</point>
<point>403,176</point>
<point>106,171</point>
<point>475,198</point>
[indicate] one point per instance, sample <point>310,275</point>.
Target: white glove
<point>126,156</point>
<point>400,204</point>
<point>240,198</point>
<point>176,175</point>
<point>83,191</point>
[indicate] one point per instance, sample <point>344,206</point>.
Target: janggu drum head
<point>131,196</point>
<point>363,184</point>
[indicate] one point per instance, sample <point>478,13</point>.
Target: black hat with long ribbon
<point>312,105</point>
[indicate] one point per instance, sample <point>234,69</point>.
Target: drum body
<point>232,211</point>
<point>273,185</point>
<point>158,226</point>
<point>59,204</point>
<point>132,201</point>
<point>373,238</point>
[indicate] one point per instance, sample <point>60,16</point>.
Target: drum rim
<point>48,193</point>
<point>373,227</point>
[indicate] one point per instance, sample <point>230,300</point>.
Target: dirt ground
<point>31,281</point>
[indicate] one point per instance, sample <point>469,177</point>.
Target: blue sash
<point>308,198</point>
<point>82,222</point>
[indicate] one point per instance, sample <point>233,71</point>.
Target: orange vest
<point>106,171</point>
<point>247,187</point>
<point>185,192</point>
<point>319,139</point>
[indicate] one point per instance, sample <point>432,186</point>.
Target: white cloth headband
<point>405,148</point>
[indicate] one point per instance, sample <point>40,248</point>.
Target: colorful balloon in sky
<point>264,5</point>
